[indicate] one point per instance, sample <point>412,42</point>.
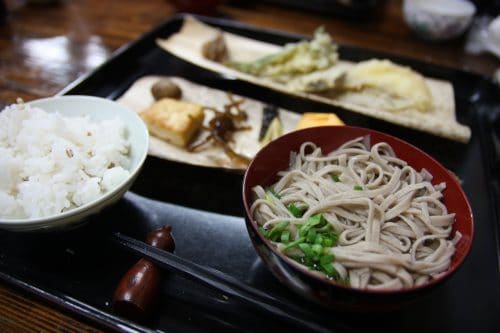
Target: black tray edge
<point>487,143</point>
<point>244,26</point>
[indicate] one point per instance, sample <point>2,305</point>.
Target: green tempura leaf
<point>303,57</point>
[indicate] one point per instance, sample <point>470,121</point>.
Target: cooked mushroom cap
<point>166,88</point>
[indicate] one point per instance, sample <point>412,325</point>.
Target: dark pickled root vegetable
<point>222,127</point>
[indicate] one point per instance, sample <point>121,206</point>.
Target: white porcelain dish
<point>492,38</point>
<point>438,19</point>
<point>97,109</point>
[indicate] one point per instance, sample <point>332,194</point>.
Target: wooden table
<point>45,47</point>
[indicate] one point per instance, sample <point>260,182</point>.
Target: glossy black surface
<point>227,285</point>
<point>79,270</point>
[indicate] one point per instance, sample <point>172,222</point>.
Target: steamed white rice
<point>50,163</point>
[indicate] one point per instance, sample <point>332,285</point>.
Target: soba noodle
<point>391,229</point>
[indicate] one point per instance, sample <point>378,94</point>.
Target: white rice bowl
<point>66,157</point>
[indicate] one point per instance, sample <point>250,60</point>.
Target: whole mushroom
<point>165,88</point>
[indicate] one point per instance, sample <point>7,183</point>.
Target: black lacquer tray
<point>79,270</point>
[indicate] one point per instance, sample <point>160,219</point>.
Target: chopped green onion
<point>318,239</point>
<point>317,236</point>
<point>294,243</point>
<point>311,222</point>
<point>335,238</point>
<point>296,211</point>
<point>311,236</point>
<point>318,258</point>
<point>277,229</point>
<point>336,178</point>
<point>358,188</point>
<point>317,250</point>
<point>326,259</point>
<point>314,220</point>
<point>322,222</point>
<point>263,231</point>
<point>327,242</point>
<point>326,265</point>
<point>306,248</point>
<point>273,192</point>
<point>330,239</point>
<point>285,236</point>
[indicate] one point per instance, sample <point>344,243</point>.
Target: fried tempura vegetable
<point>295,59</point>
<point>385,85</point>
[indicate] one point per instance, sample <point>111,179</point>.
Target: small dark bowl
<point>275,157</point>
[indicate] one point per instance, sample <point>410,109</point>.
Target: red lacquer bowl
<point>275,157</point>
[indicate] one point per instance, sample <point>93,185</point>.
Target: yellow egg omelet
<point>313,119</point>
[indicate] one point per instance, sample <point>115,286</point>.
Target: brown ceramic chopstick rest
<point>138,288</point>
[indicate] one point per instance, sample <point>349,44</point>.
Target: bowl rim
<point>42,221</point>
<point>469,9</point>
<point>435,281</point>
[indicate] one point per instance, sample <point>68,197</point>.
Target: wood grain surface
<point>45,47</point>
<point>19,313</point>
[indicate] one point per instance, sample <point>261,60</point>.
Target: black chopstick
<point>223,283</point>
